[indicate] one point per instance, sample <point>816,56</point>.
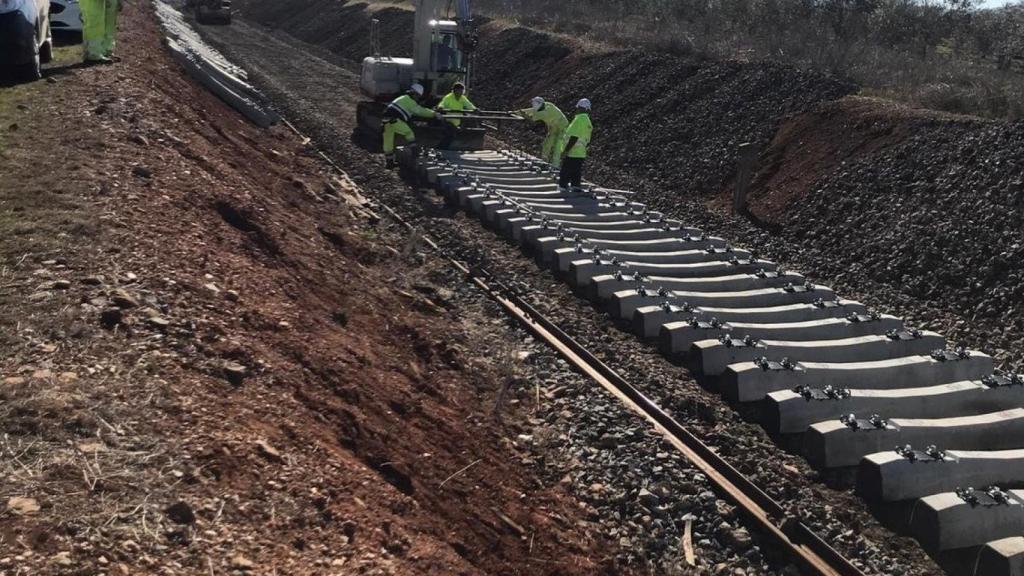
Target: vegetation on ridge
<point>948,56</point>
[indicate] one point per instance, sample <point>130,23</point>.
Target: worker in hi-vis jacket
<point>396,120</point>
<point>555,121</point>
<point>577,139</point>
<point>453,104</point>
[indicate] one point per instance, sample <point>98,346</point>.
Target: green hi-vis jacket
<point>549,114</point>
<point>581,128</point>
<point>453,103</point>
<point>405,107</point>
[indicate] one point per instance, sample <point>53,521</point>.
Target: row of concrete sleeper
<point>856,385</point>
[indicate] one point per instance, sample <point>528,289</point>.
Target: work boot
<point>96,60</point>
<point>389,161</point>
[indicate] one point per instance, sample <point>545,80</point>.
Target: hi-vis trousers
<point>99,25</point>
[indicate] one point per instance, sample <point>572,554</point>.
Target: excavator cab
<point>449,63</point>
<point>445,54</point>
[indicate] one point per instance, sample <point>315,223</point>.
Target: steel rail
<point>457,116</point>
<point>810,551</point>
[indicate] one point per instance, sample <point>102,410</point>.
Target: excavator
<point>443,42</point>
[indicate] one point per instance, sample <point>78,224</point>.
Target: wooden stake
<point>691,560</point>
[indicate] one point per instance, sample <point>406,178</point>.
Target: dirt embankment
<point>213,361</point>
<point>813,143</point>
<point>914,212</point>
<point>340,27</point>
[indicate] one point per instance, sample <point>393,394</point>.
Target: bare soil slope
<point>213,361</point>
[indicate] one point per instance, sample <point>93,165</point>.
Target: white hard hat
<point>537,102</point>
<point>583,103</point>
<point>417,88</point>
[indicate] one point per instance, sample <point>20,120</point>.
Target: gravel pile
<point>636,488</point>
<point>340,27</point>
<point>938,217</point>
<point>616,464</point>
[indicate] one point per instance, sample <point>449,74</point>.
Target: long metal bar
<point>457,116</point>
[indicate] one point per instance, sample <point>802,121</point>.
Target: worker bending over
<point>396,119</point>
<point>577,138</point>
<point>454,102</point>
<point>555,121</point>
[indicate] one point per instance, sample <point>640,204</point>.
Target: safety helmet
<point>584,103</point>
<point>417,88</point>
<point>536,102</point>
<point>458,86</point>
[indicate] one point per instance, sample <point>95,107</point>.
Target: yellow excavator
<point>443,42</point>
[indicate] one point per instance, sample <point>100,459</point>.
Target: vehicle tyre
<point>31,71</point>
<point>46,52</point>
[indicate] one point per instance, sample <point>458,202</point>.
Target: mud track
<point>318,91</point>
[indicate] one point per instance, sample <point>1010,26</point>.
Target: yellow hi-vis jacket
<point>453,103</point>
<point>582,129</point>
<point>404,108</point>
<point>549,114</point>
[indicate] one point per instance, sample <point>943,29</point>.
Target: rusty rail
<point>810,551</point>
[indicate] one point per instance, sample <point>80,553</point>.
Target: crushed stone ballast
<point>854,384</point>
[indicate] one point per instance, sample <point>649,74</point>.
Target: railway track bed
<point>921,421</point>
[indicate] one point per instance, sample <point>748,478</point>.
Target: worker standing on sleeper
<point>577,139</point>
<point>555,121</point>
<point>456,102</point>
<point>396,120</point>
<point>99,26</point>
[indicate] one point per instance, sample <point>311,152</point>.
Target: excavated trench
<point>684,119</point>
